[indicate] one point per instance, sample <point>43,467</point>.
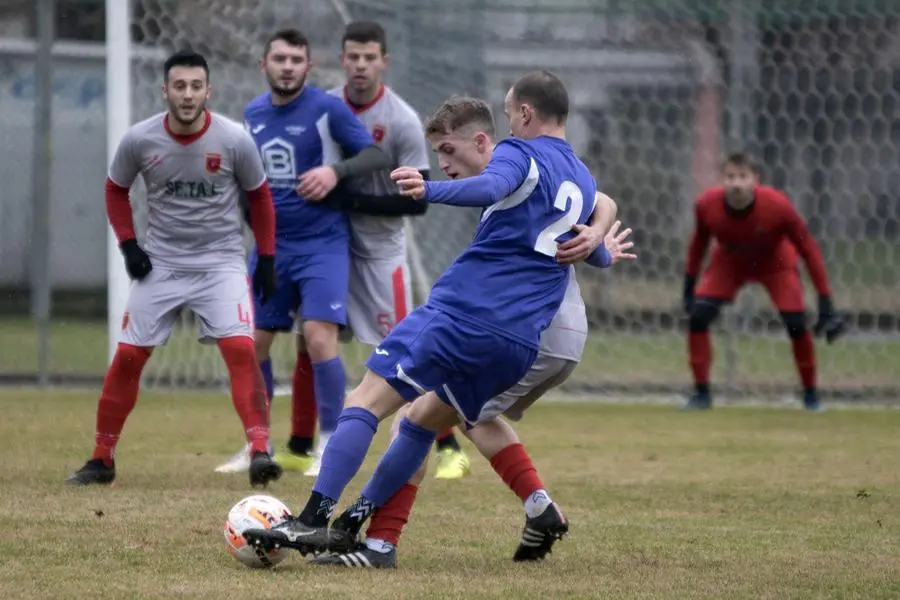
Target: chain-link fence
<point>661,89</point>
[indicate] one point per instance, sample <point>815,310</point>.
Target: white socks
<point>537,503</point>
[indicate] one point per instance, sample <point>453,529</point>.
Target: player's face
<point>739,183</point>
<point>363,65</point>
<point>461,154</point>
<point>286,67</point>
<point>186,90</point>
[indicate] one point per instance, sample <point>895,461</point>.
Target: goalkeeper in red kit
<point>758,237</point>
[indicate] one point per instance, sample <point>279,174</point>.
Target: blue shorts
<point>312,285</point>
<point>463,364</point>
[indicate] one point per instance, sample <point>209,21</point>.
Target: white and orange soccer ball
<point>254,512</point>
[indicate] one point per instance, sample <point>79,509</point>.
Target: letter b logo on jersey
<point>278,157</point>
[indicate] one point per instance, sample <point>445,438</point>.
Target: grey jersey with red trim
<point>397,130</point>
<point>193,190</point>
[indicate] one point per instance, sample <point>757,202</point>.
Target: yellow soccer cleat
<point>290,461</point>
<point>451,464</point>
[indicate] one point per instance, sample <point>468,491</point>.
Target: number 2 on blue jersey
<point>546,239</point>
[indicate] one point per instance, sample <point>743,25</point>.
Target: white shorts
<point>220,299</point>
<point>546,373</point>
<point>380,296</point>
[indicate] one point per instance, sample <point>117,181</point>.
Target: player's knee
<point>238,350</point>
<point>321,339</point>
<point>375,395</point>
<point>131,356</point>
<point>794,323</point>
<point>430,412</point>
<point>703,314</point>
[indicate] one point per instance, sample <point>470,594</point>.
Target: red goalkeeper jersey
<point>765,238</point>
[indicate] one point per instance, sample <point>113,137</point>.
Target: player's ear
<point>165,91</point>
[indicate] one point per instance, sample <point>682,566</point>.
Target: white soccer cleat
<point>238,463</point>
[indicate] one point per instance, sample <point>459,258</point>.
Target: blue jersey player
<point>303,135</point>
<point>479,332</point>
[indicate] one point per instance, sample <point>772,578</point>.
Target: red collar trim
<point>188,138</point>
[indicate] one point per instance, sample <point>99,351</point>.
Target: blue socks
<point>345,452</point>
<point>401,461</point>
<point>266,367</point>
<point>330,384</point>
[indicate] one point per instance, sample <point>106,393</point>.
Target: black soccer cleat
<point>94,472</point>
<point>699,401</point>
<point>291,533</point>
<point>811,401</point>
<point>263,469</point>
<point>360,557</point>
<point>540,533</point>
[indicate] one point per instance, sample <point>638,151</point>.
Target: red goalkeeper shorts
<point>725,277</point>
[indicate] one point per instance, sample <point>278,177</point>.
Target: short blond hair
<point>459,112</point>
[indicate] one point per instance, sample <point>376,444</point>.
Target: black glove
<point>829,322</point>
<point>137,263</point>
<point>688,297</point>
<point>265,282</point>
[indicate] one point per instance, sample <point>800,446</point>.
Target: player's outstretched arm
<point>504,174</point>
<point>700,239</point>
<point>393,205</point>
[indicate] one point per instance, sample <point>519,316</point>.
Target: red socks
<point>248,390</point>
<point>700,353</point>
<point>805,358</point>
<point>515,468</point>
<point>303,399</point>
<point>119,395</point>
<point>388,521</point>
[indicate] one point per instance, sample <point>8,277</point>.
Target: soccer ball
<point>254,512</point>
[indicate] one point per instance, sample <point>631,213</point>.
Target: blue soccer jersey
<point>508,280</point>
<point>313,130</point>
<point>312,241</point>
<point>479,331</point>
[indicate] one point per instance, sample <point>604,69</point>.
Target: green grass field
<point>736,503</point>
<point>80,348</point>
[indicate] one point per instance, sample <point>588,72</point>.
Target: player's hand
<point>265,281</point>
<point>581,246</point>
<point>617,245</point>
<point>137,263</point>
<point>410,182</point>
<point>688,296</point>
<point>317,183</point>
<point>830,323</point>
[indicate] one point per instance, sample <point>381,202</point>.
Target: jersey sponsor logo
<point>378,133</point>
<point>278,158</point>
<point>295,129</point>
<point>192,189</point>
<point>213,162</point>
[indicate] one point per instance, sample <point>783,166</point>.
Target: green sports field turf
<point>736,503</point>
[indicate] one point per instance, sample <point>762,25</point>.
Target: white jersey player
<point>379,286</point>
<point>195,164</point>
<point>462,134</point>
